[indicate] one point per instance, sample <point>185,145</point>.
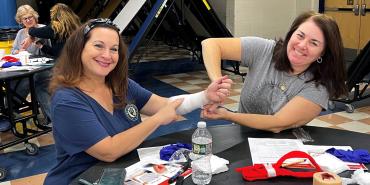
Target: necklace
<point>283,84</point>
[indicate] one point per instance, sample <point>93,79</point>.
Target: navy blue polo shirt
<point>79,122</point>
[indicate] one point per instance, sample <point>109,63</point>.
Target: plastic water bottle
<point>201,154</point>
<point>201,170</point>
<point>201,141</point>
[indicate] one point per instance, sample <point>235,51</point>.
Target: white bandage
<point>191,102</point>
<point>270,170</point>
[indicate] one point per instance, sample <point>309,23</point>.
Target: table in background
<point>231,142</point>
<point>7,107</point>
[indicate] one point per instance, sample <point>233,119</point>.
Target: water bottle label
<point>202,149</point>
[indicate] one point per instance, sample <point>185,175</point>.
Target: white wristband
<point>191,102</point>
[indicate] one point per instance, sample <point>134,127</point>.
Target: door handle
<point>356,9</point>
<point>363,8</point>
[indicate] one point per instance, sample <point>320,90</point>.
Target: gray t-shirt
<point>266,90</point>
<point>32,49</point>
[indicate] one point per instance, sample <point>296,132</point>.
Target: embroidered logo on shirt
<point>132,112</point>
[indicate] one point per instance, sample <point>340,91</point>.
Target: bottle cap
<point>202,124</point>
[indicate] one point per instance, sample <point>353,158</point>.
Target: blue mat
<point>19,164</point>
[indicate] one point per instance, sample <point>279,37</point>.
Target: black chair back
<point>359,68</point>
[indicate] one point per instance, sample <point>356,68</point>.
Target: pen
<point>182,170</point>
<point>85,182</point>
<point>292,163</point>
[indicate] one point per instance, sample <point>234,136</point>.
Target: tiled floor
<point>359,121</point>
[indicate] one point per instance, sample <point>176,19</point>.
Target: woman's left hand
<point>208,112</point>
<point>218,90</point>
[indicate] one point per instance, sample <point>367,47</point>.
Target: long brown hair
<point>63,21</point>
<point>331,72</point>
<point>69,69</point>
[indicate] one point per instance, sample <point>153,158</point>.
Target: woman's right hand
<point>167,114</point>
<point>26,43</point>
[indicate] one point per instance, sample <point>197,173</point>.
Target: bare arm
<point>161,111</point>
<point>216,49</point>
<point>111,148</point>
<point>157,103</point>
<point>296,112</point>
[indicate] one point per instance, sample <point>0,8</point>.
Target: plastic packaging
<point>302,135</point>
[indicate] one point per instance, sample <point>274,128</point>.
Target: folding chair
<point>358,78</point>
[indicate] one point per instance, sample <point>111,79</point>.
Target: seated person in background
<point>289,81</point>
<point>63,21</point>
<point>96,107</point>
<point>27,17</point>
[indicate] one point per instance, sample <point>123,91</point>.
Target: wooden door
<point>349,27</point>
<point>349,24</point>
<point>365,23</point>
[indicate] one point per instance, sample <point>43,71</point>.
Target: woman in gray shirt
<point>27,17</point>
<point>289,81</point>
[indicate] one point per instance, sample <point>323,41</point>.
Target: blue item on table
<point>167,151</point>
<point>357,156</point>
<point>9,64</point>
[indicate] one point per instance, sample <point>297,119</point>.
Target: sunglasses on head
<point>96,22</point>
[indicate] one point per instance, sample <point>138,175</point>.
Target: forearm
<point>126,141</point>
<point>258,121</point>
<point>211,58</point>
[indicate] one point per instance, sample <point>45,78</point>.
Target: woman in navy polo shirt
<point>96,108</point>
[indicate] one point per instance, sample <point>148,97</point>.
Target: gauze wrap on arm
<point>191,102</point>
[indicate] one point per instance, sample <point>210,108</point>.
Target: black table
<point>7,107</point>
<point>231,142</point>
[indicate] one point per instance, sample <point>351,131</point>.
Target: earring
<point>319,60</point>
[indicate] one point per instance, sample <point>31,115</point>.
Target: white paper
<point>151,152</point>
<point>315,150</point>
<point>20,68</point>
<point>143,172</point>
<point>318,149</point>
<point>269,150</point>
<point>39,61</point>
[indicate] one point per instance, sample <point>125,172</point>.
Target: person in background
<point>63,21</point>
<point>96,108</point>
<point>289,81</point>
<point>27,17</point>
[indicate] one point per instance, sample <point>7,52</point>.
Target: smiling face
<point>305,46</point>
<point>100,54</point>
<point>28,20</point>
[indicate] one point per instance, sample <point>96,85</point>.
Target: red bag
<point>265,171</point>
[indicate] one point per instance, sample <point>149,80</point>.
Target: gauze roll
<point>191,102</point>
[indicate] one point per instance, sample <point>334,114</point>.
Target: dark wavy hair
<point>69,69</point>
<point>331,72</point>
